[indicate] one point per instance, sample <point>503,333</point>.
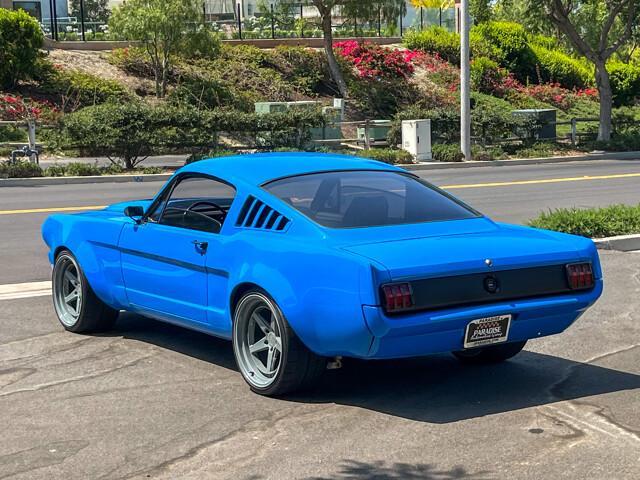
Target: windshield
<point>351,199</point>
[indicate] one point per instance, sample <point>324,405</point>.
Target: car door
<point>164,256</point>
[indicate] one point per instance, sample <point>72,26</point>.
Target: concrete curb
<point>41,181</point>
<point>621,243</point>
<point>524,161</point>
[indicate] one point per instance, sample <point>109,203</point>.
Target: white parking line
<point>13,291</point>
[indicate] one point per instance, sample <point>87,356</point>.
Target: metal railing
<point>31,149</point>
<point>300,21</point>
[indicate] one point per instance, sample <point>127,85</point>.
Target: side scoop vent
<point>257,214</point>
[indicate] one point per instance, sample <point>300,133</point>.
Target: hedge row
<point>134,130</point>
<point>593,222</point>
<point>527,56</point>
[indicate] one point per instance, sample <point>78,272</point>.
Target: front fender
<point>93,239</point>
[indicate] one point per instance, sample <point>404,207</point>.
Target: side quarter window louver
<point>257,214</point>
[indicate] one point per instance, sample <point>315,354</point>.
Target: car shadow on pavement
<point>434,389</point>
<point>380,470</point>
<point>439,389</point>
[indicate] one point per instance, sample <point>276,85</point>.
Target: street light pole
<point>465,81</point>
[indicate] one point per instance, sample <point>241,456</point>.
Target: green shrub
<point>305,68</point>
<point>629,141</point>
<point>549,43</point>
<point>152,170</point>
<point>55,170</point>
<point>487,76</point>
<point>80,169</point>
<point>203,43</point>
<point>12,134</point>
<point>201,91</point>
<point>20,40</point>
<point>82,89</point>
<point>594,222</point>
<point>435,40</point>
<point>486,154</point>
<point>20,169</point>
<point>511,46</point>
<point>387,155</point>
<point>625,82</point>
<point>132,60</point>
<point>557,66</point>
<point>537,150</point>
<point>445,152</point>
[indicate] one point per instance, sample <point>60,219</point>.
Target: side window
<point>197,203</point>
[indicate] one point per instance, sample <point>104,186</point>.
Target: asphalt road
<point>23,254</point>
<point>150,400</point>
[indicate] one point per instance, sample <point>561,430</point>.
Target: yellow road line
<point>545,180</point>
<point>52,210</point>
<point>445,187</point>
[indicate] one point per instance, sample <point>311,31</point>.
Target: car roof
<point>259,168</point>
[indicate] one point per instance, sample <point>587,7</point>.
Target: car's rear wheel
<point>490,354</point>
<point>270,356</point>
<point>77,306</point>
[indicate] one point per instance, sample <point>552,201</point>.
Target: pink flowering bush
<point>373,61</point>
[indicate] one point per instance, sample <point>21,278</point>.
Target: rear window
<point>351,199</point>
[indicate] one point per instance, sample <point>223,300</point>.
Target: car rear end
<point>449,293</point>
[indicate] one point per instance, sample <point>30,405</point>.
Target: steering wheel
<point>211,204</point>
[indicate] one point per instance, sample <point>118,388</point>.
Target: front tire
<point>78,308</point>
<point>271,358</point>
<point>490,354</point>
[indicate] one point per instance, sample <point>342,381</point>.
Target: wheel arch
<point>238,292</point>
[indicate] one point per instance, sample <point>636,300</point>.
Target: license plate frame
<point>497,331</point>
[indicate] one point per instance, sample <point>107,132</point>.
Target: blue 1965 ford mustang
<point>298,258</point>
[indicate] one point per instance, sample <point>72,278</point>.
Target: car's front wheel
<point>77,306</point>
<point>490,354</point>
<point>270,356</point>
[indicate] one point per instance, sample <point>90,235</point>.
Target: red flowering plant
<point>375,62</point>
<point>558,96</point>
<point>17,108</point>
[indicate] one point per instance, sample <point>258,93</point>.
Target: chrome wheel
<point>257,340</point>
<point>67,290</point>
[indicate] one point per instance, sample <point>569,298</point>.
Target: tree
<point>480,11</point>
<point>367,10</point>
<point>94,10</point>
<point>596,29</point>
<point>160,26</point>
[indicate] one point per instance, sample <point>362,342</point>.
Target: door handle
<point>202,246</point>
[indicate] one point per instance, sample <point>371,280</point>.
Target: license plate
<point>486,331</point>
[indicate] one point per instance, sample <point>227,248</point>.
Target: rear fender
<point>319,294</point>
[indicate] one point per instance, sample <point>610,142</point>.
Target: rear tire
<point>270,356</point>
<point>490,354</point>
<point>78,308</point>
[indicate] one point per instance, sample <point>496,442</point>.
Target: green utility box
<point>332,132</point>
<point>378,130</point>
<point>545,119</point>
<point>262,108</point>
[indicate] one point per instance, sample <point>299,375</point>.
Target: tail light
<point>580,276</point>
<point>397,297</point>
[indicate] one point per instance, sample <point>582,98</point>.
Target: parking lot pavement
<point>150,400</point>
